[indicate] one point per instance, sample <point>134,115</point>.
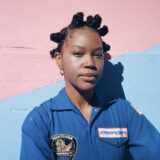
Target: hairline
<point>70,33</point>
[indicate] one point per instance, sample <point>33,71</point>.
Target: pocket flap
<point>113,136</point>
<point>114,141</point>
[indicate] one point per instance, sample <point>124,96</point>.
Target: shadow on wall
<point>110,82</point>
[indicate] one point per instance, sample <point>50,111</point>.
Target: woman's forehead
<point>84,37</point>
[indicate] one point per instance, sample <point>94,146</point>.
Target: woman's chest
<point>104,137</point>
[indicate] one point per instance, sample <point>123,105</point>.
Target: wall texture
<point>25,27</point>
<point>28,76</point>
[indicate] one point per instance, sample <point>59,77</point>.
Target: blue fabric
<point>59,116</point>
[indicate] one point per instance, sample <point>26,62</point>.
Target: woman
<point>80,123</point>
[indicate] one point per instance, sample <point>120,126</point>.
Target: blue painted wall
<point>134,76</point>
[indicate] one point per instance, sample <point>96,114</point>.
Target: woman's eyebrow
<point>96,49</point>
<point>99,48</point>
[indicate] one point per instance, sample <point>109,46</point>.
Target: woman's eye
<point>99,55</point>
<point>77,54</point>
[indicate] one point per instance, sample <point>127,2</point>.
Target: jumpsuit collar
<point>63,102</point>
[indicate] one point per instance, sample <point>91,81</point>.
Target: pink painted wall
<point>25,27</point>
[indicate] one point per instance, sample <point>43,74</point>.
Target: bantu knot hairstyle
<point>78,22</point>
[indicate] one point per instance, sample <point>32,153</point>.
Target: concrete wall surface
<point>26,25</point>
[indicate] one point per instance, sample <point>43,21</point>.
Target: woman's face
<point>82,59</point>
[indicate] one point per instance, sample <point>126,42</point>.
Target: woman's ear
<point>58,59</point>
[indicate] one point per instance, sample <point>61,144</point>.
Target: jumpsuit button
<point>96,110</point>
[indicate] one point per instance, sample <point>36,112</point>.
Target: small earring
<point>61,72</point>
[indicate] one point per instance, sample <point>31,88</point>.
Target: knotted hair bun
<point>103,31</point>
<point>77,21</point>
<point>52,52</point>
<point>106,47</point>
<point>94,22</point>
<point>56,37</point>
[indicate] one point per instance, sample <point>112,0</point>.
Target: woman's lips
<point>90,77</point>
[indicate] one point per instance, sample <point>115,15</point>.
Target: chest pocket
<point>116,142</point>
<point>111,142</point>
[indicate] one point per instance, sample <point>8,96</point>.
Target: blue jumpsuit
<point>57,130</point>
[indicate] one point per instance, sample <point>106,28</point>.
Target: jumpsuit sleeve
<point>144,139</point>
<point>35,138</point>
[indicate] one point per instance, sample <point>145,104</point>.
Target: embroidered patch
<point>64,146</point>
<point>113,132</point>
<point>137,110</point>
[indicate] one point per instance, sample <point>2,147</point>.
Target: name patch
<point>113,132</point>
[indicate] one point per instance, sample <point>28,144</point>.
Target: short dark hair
<point>78,22</point>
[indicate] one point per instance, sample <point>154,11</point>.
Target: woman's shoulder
<point>42,113</point>
<point>46,106</point>
<point>37,115</point>
<point>126,107</point>
<point>117,105</point>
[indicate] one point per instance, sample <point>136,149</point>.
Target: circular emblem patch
<point>64,146</point>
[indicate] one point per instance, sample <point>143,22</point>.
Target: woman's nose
<point>89,62</point>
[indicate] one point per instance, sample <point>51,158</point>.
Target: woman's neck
<point>80,98</point>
